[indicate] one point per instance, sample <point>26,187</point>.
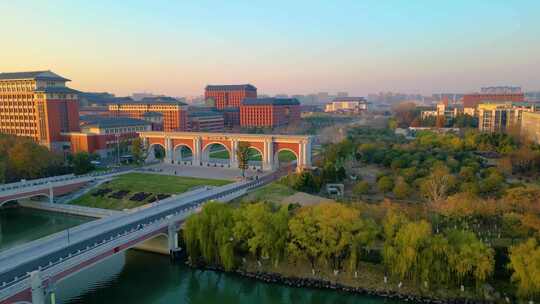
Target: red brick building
<point>110,137</point>
<point>175,117</point>
<point>38,105</point>
<point>472,100</point>
<point>224,96</point>
<point>269,112</point>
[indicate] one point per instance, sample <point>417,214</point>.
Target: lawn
<point>286,156</point>
<point>274,193</point>
<point>148,187</point>
<point>254,155</point>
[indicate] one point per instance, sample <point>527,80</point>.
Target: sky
<point>293,47</point>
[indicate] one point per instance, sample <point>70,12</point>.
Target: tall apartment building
<point>499,117</point>
<point>174,111</point>
<point>530,126</point>
<point>38,105</point>
<point>225,96</point>
<point>269,112</point>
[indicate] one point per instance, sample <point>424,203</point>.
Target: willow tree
<point>469,258</point>
<point>525,264</point>
<point>209,235</point>
<point>402,253</point>
<point>262,231</point>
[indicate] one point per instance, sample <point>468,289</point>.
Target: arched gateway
<point>198,143</point>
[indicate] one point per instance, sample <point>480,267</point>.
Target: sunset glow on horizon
<point>178,47</point>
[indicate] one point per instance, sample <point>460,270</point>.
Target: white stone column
<point>309,152</point>
<point>172,237</point>
<point>268,157</point>
<point>197,151</point>
<point>233,157</point>
<point>36,287</point>
<point>169,155</point>
<point>51,193</point>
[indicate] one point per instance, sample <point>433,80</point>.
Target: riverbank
<point>369,280</point>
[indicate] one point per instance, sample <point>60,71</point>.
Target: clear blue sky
<point>361,46</point>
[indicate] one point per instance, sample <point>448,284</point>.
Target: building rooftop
<point>338,99</point>
<point>204,113</point>
<point>231,87</point>
<point>150,100</point>
<point>37,75</point>
<point>110,122</point>
<point>57,90</point>
<point>270,101</point>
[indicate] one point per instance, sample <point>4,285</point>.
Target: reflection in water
<point>142,277</point>
<point>22,225</point>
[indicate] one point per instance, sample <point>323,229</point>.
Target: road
<point>16,263</point>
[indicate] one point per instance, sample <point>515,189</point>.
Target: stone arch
<point>178,154</point>
<point>46,195</point>
<point>276,156</point>
<point>151,151</point>
<point>256,162</point>
<point>209,161</point>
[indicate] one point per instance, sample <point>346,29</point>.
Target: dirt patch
<point>305,199</point>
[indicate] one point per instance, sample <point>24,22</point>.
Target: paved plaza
<point>200,172</point>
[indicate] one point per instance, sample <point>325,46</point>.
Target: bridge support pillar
<point>268,156</point>
<point>169,152</point>
<point>196,151</point>
<point>233,158</point>
<point>174,250</point>
<point>36,285</point>
<point>51,194</point>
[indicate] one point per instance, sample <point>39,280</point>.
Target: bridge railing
<point>56,179</point>
<point>106,230</point>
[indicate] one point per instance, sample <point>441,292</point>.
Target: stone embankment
<point>324,284</point>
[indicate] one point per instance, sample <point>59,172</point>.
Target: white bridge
<point>28,273</point>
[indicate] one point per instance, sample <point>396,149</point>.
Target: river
<point>141,277</point>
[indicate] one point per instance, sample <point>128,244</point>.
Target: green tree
<point>209,235</point>
<point>82,163</point>
<point>401,188</point>
<point>138,150</point>
<point>341,174</point>
<point>362,187</point>
<point>469,257</point>
<point>385,184</point>
<point>305,182</point>
<point>438,184</point>
<point>242,154</point>
<point>263,231</point>
<point>525,264</point>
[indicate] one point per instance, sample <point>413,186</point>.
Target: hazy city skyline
<point>303,47</point>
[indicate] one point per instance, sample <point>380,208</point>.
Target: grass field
<point>153,184</point>
<point>272,193</point>
<point>254,155</point>
<point>284,156</point>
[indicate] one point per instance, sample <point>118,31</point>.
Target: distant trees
<point>21,158</point>
<point>405,113</point>
<point>362,187</point>
<point>385,184</point>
